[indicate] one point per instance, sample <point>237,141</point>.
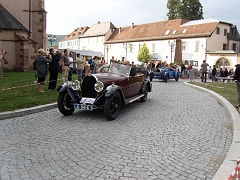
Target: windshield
<point>119,69</point>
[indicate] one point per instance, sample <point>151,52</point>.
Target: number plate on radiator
<point>83,107</point>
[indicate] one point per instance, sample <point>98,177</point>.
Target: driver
<point>133,71</point>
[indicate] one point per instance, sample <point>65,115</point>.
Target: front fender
<point>68,88</point>
<point>64,87</point>
<point>110,90</point>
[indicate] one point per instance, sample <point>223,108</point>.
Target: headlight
<point>76,85</point>
<point>98,86</point>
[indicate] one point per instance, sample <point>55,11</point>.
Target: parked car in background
<point>108,91</point>
<point>164,74</point>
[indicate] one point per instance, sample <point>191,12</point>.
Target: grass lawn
<point>18,91</point>
<point>227,90</point>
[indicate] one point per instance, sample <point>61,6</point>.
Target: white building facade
<point>211,40</point>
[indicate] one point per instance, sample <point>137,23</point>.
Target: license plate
<point>83,107</point>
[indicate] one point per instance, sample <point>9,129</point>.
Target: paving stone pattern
<point>179,133</point>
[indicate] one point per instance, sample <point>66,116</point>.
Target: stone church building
<point>22,32</point>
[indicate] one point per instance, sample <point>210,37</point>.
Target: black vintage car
<point>108,91</point>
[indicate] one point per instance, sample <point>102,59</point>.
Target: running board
<point>132,99</point>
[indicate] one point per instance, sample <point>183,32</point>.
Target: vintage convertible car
<point>108,91</point>
<point>164,74</point>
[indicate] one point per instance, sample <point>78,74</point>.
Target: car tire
<point>166,78</point>
<point>65,104</point>
<point>144,98</point>
<point>112,106</point>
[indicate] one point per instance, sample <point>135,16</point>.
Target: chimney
<point>132,26</point>
<point>119,30</point>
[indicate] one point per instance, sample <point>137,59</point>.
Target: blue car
<point>164,74</point>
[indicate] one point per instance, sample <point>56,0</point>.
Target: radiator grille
<point>88,87</point>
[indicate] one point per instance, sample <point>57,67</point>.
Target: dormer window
<point>167,32</point>
<point>174,31</point>
<point>185,30</point>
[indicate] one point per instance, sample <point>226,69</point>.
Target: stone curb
<point>27,111</point>
<point>233,154</point>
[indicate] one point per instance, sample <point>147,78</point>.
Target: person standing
<point>190,70</point>
<point>214,73</point>
<point>53,69</point>
<point>65,66</point>
<point>237,80</point>
<point>35,70</point>
<point>204,71</point>
<point>80,67</point>
<point>70,59</point>
<point>42,68</point>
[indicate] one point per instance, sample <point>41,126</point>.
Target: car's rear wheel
<point>144,98</point>
<point>112,106</point>
<point>65,103</point>
<point>177,78</point>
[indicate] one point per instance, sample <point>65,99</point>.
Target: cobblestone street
<point>179,133</point>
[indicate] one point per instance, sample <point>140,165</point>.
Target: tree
<point>184,9</point>
<point>174,7</point>
<point>144,55</point>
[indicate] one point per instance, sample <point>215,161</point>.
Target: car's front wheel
<point>166,78</point>
<point>112,106</point>
<point>65,103</point>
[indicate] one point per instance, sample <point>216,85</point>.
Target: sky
<point>63,16</point>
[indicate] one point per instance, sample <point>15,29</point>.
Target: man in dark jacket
<point>237,80</point>
<point>53,69</point>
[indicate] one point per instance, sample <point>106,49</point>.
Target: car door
<point>135,84</point>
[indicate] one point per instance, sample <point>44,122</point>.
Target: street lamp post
<point>171,44</point>
<point>107,47</point>
<point>51,39</point>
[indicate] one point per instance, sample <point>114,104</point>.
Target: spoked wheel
<point>65,103</point>
<point>112,106</point>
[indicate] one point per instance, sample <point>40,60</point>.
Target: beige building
<point>22,32</point>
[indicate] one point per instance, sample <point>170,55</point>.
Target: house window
<point>131,47</point>
<point>68,43</point>
<point>185,30</point>
<point>153,47</point>
<point>225,32</point>
<point>224,46</point>
<point>234,47</point>
<point>96,39</point>
<point>196,46</point>
<point>217,30</point>
<point>139,47</point>
<point>184,46</point>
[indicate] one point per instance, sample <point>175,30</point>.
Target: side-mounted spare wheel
<point>65,103</point>
<point>112,106</point>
